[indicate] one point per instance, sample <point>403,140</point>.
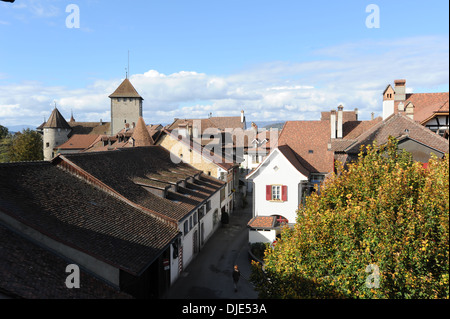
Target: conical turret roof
<point>126,89</point>
<point>141,135</point>
<point>56,120</point>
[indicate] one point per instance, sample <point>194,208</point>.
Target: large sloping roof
<point>309,142</point>
<point>398,125</point>
<point>125,171</point>
<point>425,104</point>
<point>32,272</point>
<point>77,214</point>
<point>125,89</point>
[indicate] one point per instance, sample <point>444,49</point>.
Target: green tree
<point>5,142</point>
<point>378,229</point>
<point>26,146</point>
<point>4,132</point>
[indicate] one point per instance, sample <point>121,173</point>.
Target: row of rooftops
<point>309,147</point>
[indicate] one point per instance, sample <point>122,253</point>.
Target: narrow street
<point>209,275</point>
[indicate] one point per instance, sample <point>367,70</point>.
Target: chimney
<point>356,114</point>
<point>182,130</point>
<point>255,127</point>
<point>242,116</point>
<point>333,123</point>
<point>372,117</point>
<point>340,115</point>
<point>400,90</point>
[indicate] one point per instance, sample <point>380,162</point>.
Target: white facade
<point>261,236</point>
<point>199,230</point>
<point>388,108</point>
<point>276,170</point>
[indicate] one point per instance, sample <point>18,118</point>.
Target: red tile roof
<point>79,142</point>
<point>261,222</point>
<point>425,104</point>
<point>309,141</point>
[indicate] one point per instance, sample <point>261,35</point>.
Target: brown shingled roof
<point>79,215</point>
<point>32,272</point>
<point>120,168</point>
<point>125,89</point>
<point>398,125</point>
<point>56,120</point>
<point>141,135</point>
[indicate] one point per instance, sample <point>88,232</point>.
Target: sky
<point>276,60</point>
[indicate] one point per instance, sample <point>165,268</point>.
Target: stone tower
<point>55,132</point>
<point>126,106</point>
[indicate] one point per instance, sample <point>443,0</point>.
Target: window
<point>47,144</point>
<point>276,193</point>
<point>186,227</point>
<point>195,218</point>
<point>216,217</point>
<point>208,205</point>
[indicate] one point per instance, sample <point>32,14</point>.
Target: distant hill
<point>18,128</point>
<point>267,124</point>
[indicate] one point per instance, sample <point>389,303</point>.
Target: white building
<point>279,184</point>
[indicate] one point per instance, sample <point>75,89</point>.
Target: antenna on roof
<point>128,68</point>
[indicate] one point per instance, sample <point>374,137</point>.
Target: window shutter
<point>268,192</point>
<point>284,193</point>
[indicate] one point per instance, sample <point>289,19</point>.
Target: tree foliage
<point>25,146</point>
<point>383,213</point>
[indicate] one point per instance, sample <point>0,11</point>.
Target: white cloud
<point>353,74</point>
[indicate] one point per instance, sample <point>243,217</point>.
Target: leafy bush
<point>384,213</point>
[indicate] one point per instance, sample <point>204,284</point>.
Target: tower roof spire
<point>56,120</point>
<point>126,89</point>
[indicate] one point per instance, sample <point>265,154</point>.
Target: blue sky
<point>277,60</point>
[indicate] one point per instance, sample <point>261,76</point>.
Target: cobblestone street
<point>209,274</point>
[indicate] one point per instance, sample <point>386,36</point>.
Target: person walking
<point>236,275</point>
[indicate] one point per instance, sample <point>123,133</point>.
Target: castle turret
<point>55,132</point>
<point>126,106</point>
